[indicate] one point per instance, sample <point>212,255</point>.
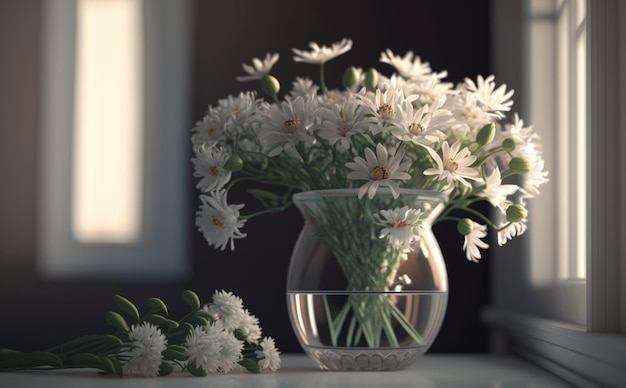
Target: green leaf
<point>266,198</point>
<point>260,193</point>
<point>204,314</point>
<point>107,365</point>
<point>116,320</point>
<point>27,360</point>
<point>171,354</point>
<point>196,371</point>
<point>157,305</point>
<point>240,334</point>
<point>170,323</point>
<point>7,354</point>
<point>126,306</point>
<point>85,360</point>
<point>197,321</point>
<point>177,348</point>
<point>156,319</point>
<point>44,358</point>
<point>178,337</point>
<point>191,298</point>
<point>165,369</point>
<point>250,364</point>
<point>117,367</point>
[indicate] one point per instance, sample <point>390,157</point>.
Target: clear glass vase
<point>357,301</point>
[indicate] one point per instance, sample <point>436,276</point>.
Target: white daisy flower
<point>525,146</point>
<point>431,88</point>
<point>519,132</point>
<point>468,111</point>
<point>218,221</point>
<point>230,348</point>
<point>323,54</point>
<point>269,356</point>
<point>399,226</point>
<point>455,165</point>
<point>239,110</point>
<point>495,100</point>
<point>379,170</point>
<point>250,325</point>
<point>209,166</point>
<point>472,242</point>
<point>535,178</point>
<point>147,346</point>
<point>495,192</point>
<point>259,67</point>
<point>287,124</point>
<point>303,87</point>
<point>208,131</point>
<point>340,122</point>
<point>420,126</point>
<point>383,104</point>
<point>513,230</point>
<point>203,349</point>
<point>228,308</point>
<point>409,66</point>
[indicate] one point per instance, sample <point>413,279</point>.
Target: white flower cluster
<point>220,345</point>
<point>410,129</point>
<point>220,336</point>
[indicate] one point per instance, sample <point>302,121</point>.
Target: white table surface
<point>432,370</point>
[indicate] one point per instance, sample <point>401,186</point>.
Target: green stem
<point>323,88</point>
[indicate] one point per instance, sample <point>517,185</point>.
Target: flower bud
<point>192,299</point>
<point>233,164</point>
<point>520,165</point>
<point>371,79</point>
<point>116,320</point>
<point>350,77</point>
<point>270,85</point>
<point>465,226</point>
<point>486,134</point>
<point>508,144</point>
<point>516,213</point>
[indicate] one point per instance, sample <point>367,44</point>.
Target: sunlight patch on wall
<point>107,143</point>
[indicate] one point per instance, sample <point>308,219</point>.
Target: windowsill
<point>584,359</point>
<point>433,370</point>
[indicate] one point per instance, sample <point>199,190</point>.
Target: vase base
<point>338,359</point>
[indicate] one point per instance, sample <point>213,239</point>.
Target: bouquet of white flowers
<point>409,130</point>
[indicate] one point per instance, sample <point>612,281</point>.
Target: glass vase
<point>356,300</point>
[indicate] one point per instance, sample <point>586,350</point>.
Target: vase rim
<point>433,194</point>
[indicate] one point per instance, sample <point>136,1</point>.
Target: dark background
<point>36,313</point>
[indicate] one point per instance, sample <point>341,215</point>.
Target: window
<point>114,139</point>
<point>559,296</point>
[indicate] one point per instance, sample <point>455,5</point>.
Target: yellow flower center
<point>211,130</point>
<point>214,171</point>
<point>452,165</point>
<point>386,110</point>
<point>217,221</point>
<point>400,224</point>
<point>291,124</point>
<point>379,173</point>
<point>416,128</point>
